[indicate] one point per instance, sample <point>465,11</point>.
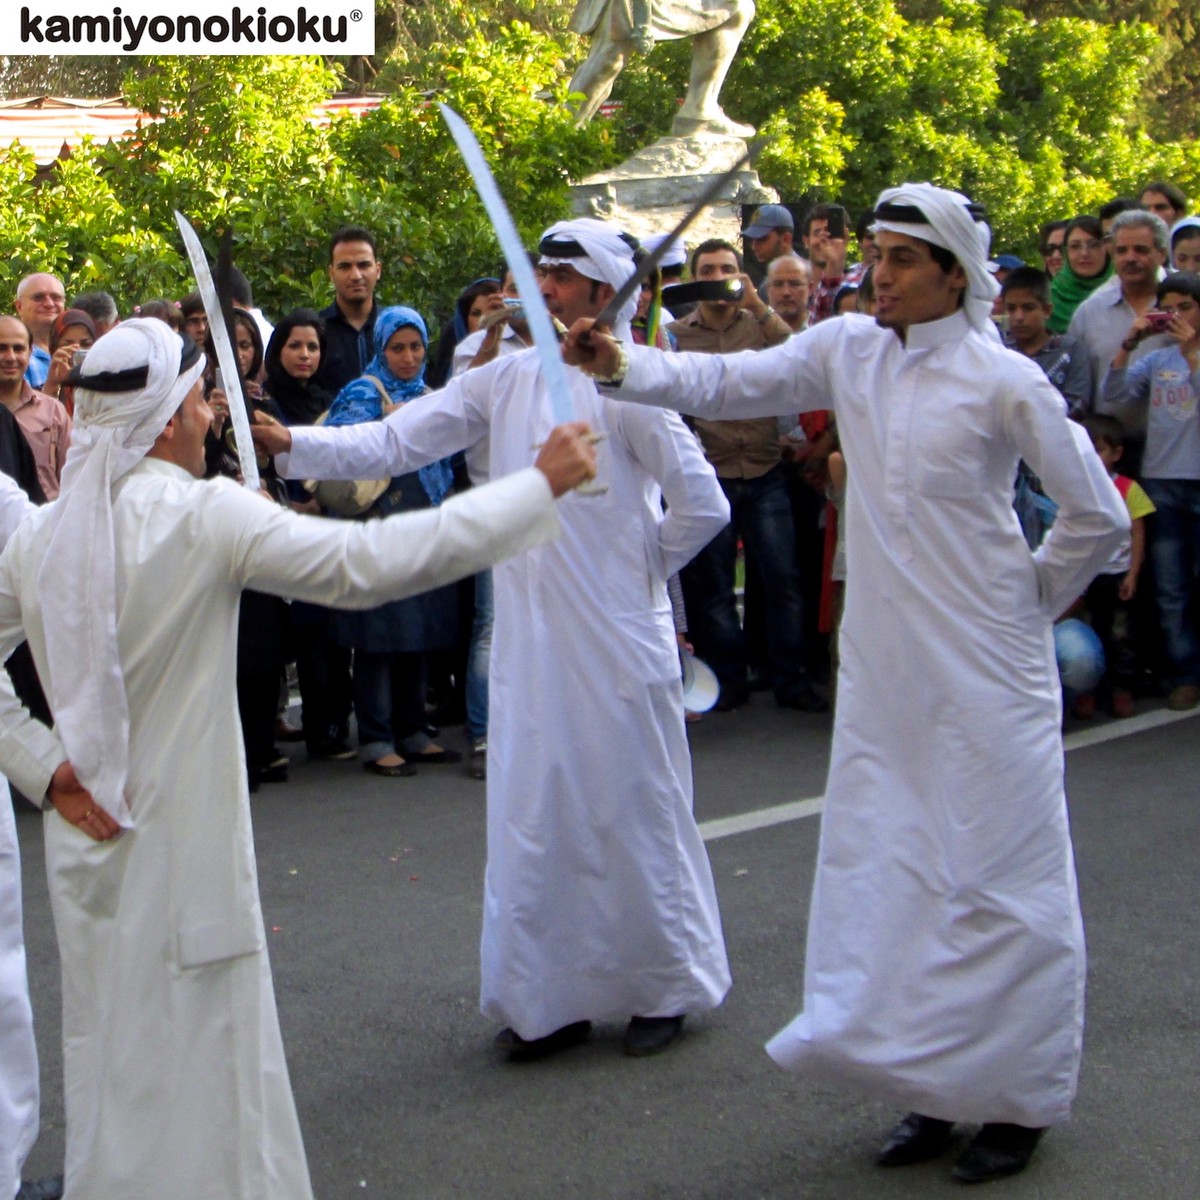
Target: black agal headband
<point>131,379</point>
<point>556,247</point>
<point>910,214</point>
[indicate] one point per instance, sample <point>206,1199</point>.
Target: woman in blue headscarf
<point>390,642</point>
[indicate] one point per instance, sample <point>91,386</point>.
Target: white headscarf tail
<point>77,582</point>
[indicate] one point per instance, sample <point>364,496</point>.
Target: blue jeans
<point>1175,555</point>
<point>761,514</point>
<point>389,704</point>
<point>479,656</point>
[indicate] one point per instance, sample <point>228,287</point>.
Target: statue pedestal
<point>650,192</point>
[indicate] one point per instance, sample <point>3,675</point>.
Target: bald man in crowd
<point>41,300</point>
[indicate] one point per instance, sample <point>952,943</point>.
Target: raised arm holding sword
<point>175,1077</point>
<point>944,958</point>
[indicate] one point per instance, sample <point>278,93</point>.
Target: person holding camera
<point>825,244</point>
<point>1160,392</point>
<point>71,337</point>
<point>746,456</point>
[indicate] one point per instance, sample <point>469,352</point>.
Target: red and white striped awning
<point>51,126</point>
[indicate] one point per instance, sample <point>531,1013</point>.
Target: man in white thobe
<point>128,590</point>
<point>18,1054</point>
<point>945,959</point>
<point>598,898</point>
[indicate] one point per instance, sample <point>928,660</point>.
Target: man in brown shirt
<point>746,457</point>
<point>43,420</point>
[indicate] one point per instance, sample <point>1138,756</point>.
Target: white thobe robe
<point>174,1072</point>
<point>945,958</point>
<point>598,897</point>
<point>18,1055</point>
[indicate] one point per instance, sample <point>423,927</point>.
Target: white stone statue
<point>619,28</point>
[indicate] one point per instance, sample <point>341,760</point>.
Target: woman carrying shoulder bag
<point>390,642</point>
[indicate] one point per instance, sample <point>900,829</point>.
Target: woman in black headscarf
<point>322,666</point>
<point>293,356</point>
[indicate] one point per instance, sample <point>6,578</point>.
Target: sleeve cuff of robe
<point>29,755</point>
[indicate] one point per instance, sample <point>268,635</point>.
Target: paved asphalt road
<point>371,892</point>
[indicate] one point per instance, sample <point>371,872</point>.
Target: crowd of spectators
<point>1111,314</point>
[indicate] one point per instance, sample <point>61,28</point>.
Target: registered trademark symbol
<point>356,14</point>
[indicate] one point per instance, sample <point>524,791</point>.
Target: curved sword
<point>545,338</point>
<point>226,359</point>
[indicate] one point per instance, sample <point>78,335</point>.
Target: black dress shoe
<point>521,1049</point>
<point>916,1139</point>
<point>804,698</point>
<point>758,681</point>
<point>651,1035</point>
<point>332,750</point>
<point>50,1188</point>
<point>731,698</point>
<point>997,1150</point>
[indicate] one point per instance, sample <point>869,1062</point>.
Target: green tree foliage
<point>1170,93</point>
<point>96,76</point>
<point>1037,109</point>
<point>235,149</point>
<point>1036,118</point>
<point>408,30</point>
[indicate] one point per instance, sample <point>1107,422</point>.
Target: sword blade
<point>630,287</point>
<point>545,338</point>
<point>226,359</point>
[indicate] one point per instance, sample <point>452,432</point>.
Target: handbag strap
<point>382,390</point>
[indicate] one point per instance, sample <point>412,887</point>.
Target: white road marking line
<point>797,810</point>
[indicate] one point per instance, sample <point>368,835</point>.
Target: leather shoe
<point>731,698</point>
<point>397,771</point>
<point>285,731</point>
<point>50,1188</point>
<point>521,1049</point>
<point>332,750</point>
<point>651,1035</point>
<point>916,1139</point>
<point>804,698</point>
<point>997,1150</point>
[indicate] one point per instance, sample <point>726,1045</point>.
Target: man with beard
<point>598,897</point>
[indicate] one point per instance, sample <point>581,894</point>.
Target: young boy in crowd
<point>1109,598</point>
<point>1025,296</point>
<point>1024,301</point>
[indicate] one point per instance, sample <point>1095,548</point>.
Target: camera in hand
<point>699,290</point>
<point>1160,322</point>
